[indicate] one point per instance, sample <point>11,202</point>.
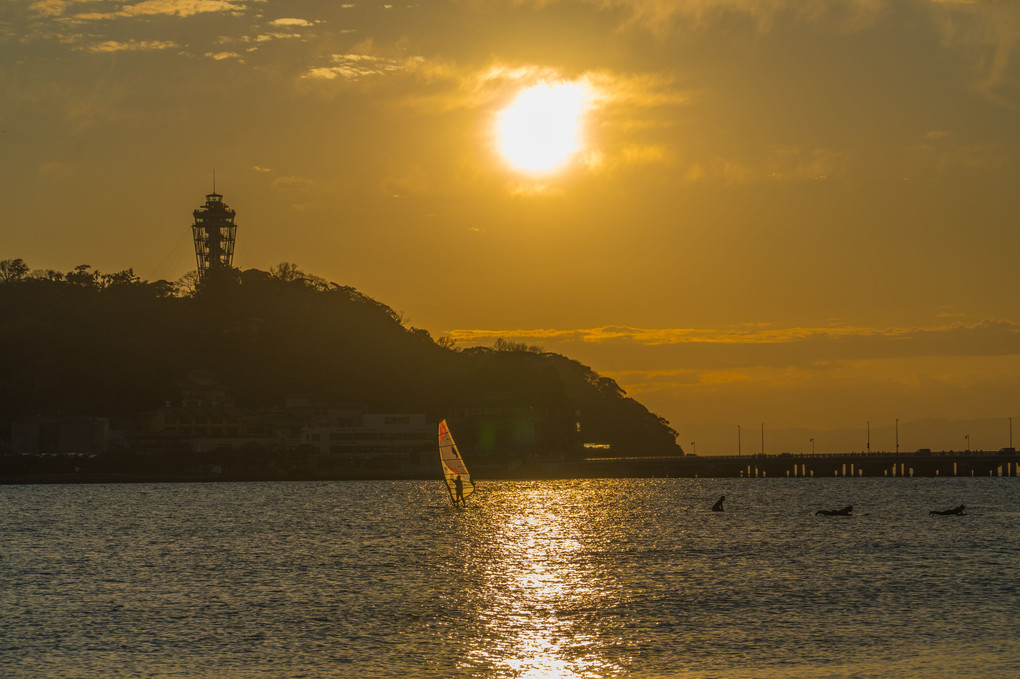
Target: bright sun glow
<point>541,129</point>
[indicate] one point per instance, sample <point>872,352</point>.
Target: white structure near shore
<point>370,439</point>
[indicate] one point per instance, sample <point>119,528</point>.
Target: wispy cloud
<point>940,156</point>
<point>220,56</point>
<point>49,7</point>
<point>353,67</point>
<point>665,16</point>
<point>296,23</point>
<point>177,8</point>
<point>131,46</point>
<point>913,374</point>
<point>987,32</point>
<point>986,338</point>
<point>780,165</point>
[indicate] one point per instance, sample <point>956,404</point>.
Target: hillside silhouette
<point>114,345</point>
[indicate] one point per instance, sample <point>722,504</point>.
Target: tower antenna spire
<point>214,180</point>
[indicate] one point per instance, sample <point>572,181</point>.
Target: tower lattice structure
<point>215,233</point>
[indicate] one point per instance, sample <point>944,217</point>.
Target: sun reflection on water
<point>543,588</point>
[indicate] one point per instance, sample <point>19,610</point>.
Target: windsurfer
<point>458,491</point>
<point>717,507</point>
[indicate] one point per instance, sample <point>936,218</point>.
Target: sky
<point>792,217</point>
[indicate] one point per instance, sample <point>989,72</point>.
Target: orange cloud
<point>132,45</point>
<point>178,8</point>
<point>811,344</point>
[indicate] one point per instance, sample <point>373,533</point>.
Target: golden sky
<point>798,213</point>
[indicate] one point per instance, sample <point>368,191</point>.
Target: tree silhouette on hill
<point>84,342</point>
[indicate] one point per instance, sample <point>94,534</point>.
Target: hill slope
<point>114,345</point>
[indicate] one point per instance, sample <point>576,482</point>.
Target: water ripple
<point>606,578</point>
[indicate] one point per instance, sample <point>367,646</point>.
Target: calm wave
<point>592,578</point>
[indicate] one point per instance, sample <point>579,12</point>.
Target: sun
<point>540,131</point>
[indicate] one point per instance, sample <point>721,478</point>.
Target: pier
<point>810,465</point>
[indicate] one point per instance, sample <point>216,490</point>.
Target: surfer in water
<point>846,511</point>
<point>955,511</point>
<point>717,507</point>
<point>458,491</point>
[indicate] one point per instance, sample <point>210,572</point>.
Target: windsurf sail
<point>453,466</point>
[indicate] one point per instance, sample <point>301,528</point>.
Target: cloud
<point>49,7</point>
<point>267,37</point>
<point>131,46</point>
<point>806,164</point>
<point>220,56</point>
<point>987,33</point>
<point>800,344</point>
<point>177,8</point>
<point>661,17</point>
<point>296,23</point>
<point>784,164</point>
<point>892,375</point>
<point>353,67</point>
<point>938,155</point>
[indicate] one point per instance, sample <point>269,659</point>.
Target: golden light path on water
<point>544,586</point>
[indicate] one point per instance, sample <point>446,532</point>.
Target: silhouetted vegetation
<point>84,342</point>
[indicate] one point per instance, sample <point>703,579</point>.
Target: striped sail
<point>453,463</point>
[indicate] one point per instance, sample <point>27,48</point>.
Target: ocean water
<point>587,578</point>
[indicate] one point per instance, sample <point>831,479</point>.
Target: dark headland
<point>279,374</point>
<point>275,374</point>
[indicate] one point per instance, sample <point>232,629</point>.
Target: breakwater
<point>822,465</point>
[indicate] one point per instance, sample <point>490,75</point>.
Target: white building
<point>370,439</point>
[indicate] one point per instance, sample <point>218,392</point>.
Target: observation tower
<point>215,232</point>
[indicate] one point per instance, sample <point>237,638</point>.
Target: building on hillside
<point>206,418</point>
<point>199,389</point>
<point>60,435</point>
<point>358,439</point>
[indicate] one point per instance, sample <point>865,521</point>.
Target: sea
<point>534,579</point>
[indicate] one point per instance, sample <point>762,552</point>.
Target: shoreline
<point>851,465</point>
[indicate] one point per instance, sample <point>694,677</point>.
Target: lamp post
<point>967,436</point>
<point>762,438</point>
<point>694,448</point>
<point>869,436</point>
<point>812,446</point>
<point>897,435</point>
<point>738,439</point>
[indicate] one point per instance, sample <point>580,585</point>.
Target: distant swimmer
<point>846,511</point>
<point>717,507</point>
<point>955,511</point>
